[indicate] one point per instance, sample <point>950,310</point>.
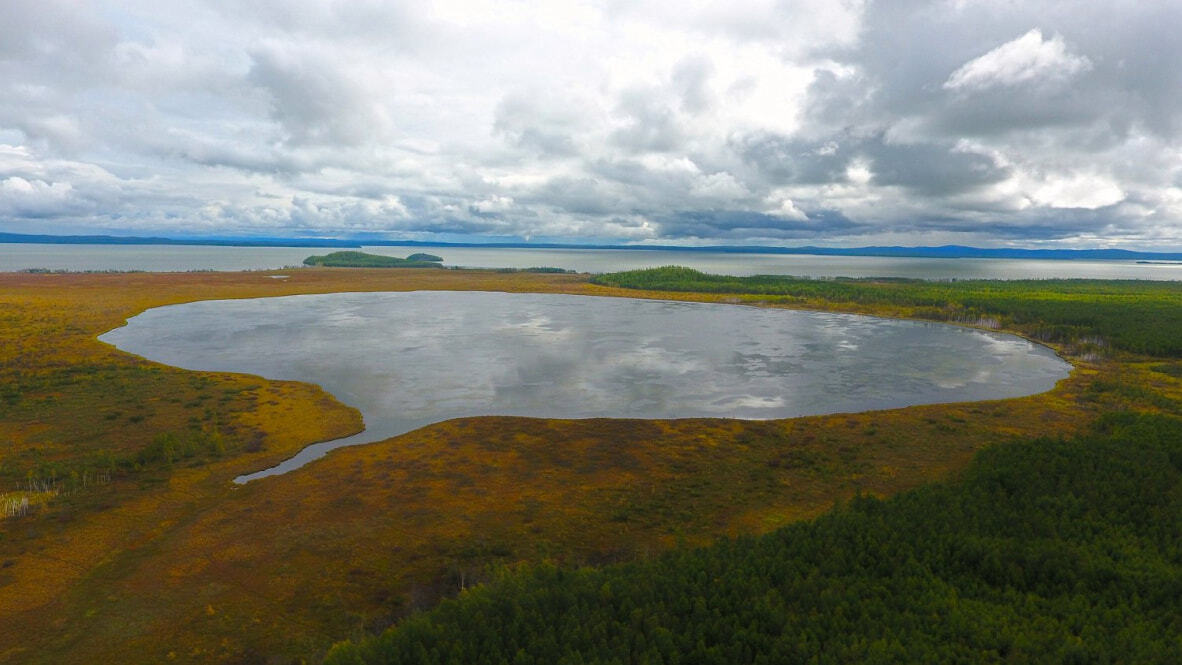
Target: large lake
<point>410,359</point>
<point>200,257</point>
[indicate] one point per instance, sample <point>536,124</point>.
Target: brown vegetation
<point>142,558</point>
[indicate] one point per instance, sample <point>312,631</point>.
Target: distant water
<point>158,258</point>
<point>151,258</point>
<point>410,359</point>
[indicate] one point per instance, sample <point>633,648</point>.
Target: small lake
<point>410,359</point>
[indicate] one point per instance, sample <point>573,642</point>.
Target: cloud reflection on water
<point>410,359</point>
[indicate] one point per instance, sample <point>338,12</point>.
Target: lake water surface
<point>410,359</point>
<point>170,258</point>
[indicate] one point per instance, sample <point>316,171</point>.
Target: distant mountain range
<point>943,252</point>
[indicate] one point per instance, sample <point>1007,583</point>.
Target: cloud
<point>524,122</point>
<point>741,224</point>
<point>828,122</point>
<point>36,198</point>
<point>39,189</point>
<point>1078,191</point>
<point>493,205</point>
<point>317,99</point>
<point>691,77</point>
<point>930,169</point>
<point>784,208</point>
<point>1027,59</point>
<point>649,122</point>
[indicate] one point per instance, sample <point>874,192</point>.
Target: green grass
<point>1130,315</point>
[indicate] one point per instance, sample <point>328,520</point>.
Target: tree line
<point>1043,550</point>
<point>1138,316</point>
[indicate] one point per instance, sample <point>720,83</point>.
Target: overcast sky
<point>995,123</point>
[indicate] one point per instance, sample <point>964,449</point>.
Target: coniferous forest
<point>1044,550</point>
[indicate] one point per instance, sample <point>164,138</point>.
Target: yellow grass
<point>175,563</point>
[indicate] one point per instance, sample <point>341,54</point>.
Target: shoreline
<point>317,450</point>
<point>527,488</point>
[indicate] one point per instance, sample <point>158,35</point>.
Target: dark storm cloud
<point>928,169</point>
<point>1037,226</point>
<point>783,160</point>
<point>581,196</point>
<point>931,170</point>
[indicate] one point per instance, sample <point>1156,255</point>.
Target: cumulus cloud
<point>848,122</point>
<point>37,198</point>
<point>1028,58</point>
<point>1077,191</point>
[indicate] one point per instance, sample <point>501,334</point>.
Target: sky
<point>809,122</point>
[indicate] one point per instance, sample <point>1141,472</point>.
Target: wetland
<point>138,547</point>
<point>407,360</point>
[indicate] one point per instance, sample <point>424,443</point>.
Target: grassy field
<point>1084,316</point>
<point>136,548</point>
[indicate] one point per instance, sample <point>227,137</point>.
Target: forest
<point>353,259</point>
<point>1130,315</point>
<point>1044,550</point>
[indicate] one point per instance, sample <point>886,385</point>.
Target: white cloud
<point>786,209</point>
<point>321,99</point>
<point>1026,59</point>
<point>859,171</point>
<point>720,186</point>
<point>33,198</point>
<point>704,120</point>
<point>1087,191</point>
<point>494,204</point>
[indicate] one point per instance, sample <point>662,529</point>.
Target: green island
<point>354,259</point>
<point>1046,528</point>
<point>421,256</point>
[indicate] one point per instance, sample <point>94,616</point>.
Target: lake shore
<point>177,258</point>
<point>391,526</point>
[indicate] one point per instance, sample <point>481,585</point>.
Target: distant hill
<point>941,252</point>
<point>424,257</point>
<point>363,260</point>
